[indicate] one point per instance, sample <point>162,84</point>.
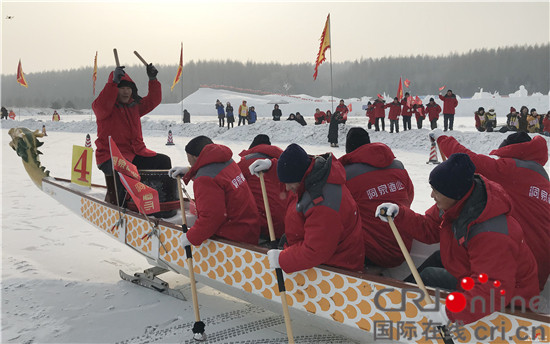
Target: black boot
<point>110,197</point>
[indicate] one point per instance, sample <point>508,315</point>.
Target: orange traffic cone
<point>433,155</point>
<point>44,130</point>
<point>88,141</point>
<point>170,140</point>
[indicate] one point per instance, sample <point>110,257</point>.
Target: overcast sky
<point>48,35</point>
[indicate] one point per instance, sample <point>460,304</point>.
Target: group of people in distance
<point>333,210</point>
<point>524,120</point>
<point>246,114</point>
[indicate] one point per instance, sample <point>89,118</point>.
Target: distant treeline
<point>502,70</point>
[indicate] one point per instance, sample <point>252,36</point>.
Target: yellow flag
<point>325,44</point>
<point>180,70</point>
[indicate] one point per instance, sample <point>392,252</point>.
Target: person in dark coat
<point>276,113</point>
<point>523,113</point>
<point>221,113</point>
<point>4,113</point>
<point>229,114</point>
<point>118,110</point>
<point>291,117</point>
<point>300,119</point>
<point>186,116</point>
<point>333,129</point>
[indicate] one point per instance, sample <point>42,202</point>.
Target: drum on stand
<point>167,189</point>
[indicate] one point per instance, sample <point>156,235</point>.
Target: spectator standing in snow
<point>186,116</point>
<point>533,124</point>
<point>406,111</point>
<point>319,117</point>
<point>252,116</point>
<point>343,109</point>
<point>374,175</point>
<point>243,113</point>
<point>225,205</point>
<point>480,119</point>
<point>491,120</point>
<point>261,149</point>
<point>4,113</point>
<point>229,115</point>
<point>433,109</point>
<point>546,124</point>
<point>118,110</point>
<point>55,116</point>
<point>449,104</point>
<point>379,114</point>
<point>322,222</point>
<point>520,171</point>
<point>472,222</point>
<point>300,119</point>
<point>370,115</point>
<point>333,129</point>
<point>418,110</point>
<point>276,113</point>
<point>393,116</point>
<point>221,113</point>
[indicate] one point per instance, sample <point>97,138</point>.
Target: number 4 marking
<point>82,162</point>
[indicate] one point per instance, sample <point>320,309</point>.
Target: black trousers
<point>377,125</point>
<point>221,121</point>
<point>419,123</point>
<point>394,123</point>
<point>242,119</point>
<point>406,123</point>
<point>157,162</point>
<point>433,124</point>
<point>448,120</point>
<point>434,274</point>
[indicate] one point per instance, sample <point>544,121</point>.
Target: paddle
<point>443,330</point>
<point>278,271</point>
<point>198,327</point>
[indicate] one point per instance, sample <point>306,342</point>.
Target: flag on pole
<point>407,83</point>
<point>325,44</point>
<point>94,74</point>
<point>180,70</point>
<point>400,90</point>
<point>418,101</point>
<point>380,96</point>
<point>21,75</point>
<point>120,164</point>
<point>442,87</point>
<point>145,197</point>
<point>349,107</point>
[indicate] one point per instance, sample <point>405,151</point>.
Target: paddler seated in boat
<point>225,205</point>
<point>373,176</point>
<point>322,222</point>
<point>480,241</point>
<point>261,148</point>
<point>118,110</point>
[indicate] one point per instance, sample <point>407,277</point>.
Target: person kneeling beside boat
<point>471,220</point>
<point>322,223</point>
<point>225,205</point>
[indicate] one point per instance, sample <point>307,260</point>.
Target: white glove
<point>184,241</point>
<point>176,172</point>
<point>390,209</point>
<point>273,256</point>
<point>260,165</point>
<point>437,317</point>
<point>435,134</point>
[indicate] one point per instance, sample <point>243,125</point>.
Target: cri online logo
<point>456,301</point>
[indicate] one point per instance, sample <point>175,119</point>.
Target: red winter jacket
<point>406,110</point>
<point>370,114</point>
<point>419,112</point>
<point>225,205</point>
<point>276,192</point>
<point>379,109</point>
<point>478,235</point>
<point>520,172</point>
<point>320,117</point>
<point>449,104</point>
<point>122,121</point>
<point>395,110</point>
<point>433,111</point>
<point>322,222</point>
<point>374,176</point>
<point>343,111</point>
<point>546,124</point>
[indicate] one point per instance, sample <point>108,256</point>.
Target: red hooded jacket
<point>370,114</point>
<point>343,111</point>
<point>406,110</point>
<point>374,176</point>
<point>322,222</point>
<point>276,192</point>
<point>433,111</point>
<point>520,172</point>
<point>478,235</point>
<point>395,110</point>
<point>379,109</point>
<point>225,205</point>
<point>123,121</point>
<point>449,104</point>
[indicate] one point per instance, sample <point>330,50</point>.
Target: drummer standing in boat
<point>118,110</point>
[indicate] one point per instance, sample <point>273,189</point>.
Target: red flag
<point>400,90</point>
<point>418,101</point>
<point>325,44</point>
<point>410,101</point>
<point>145,197</point>
<point>442,87</point>
<point>120,164</point>
<point>380,96</point>
<point>94,74</point>
<point>180,70</point>
<point>21,75</point>
<point>407,83</point>
<point>349,107</point>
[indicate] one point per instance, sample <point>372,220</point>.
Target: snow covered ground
<point>60,279</point>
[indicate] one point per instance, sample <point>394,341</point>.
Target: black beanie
<point>293,164</point>
<point>356,137</point>
<point>453,177</point>
<point>260,139</point>
<point>132,85</point>
<point>195,146</point>
<point>519,137</point>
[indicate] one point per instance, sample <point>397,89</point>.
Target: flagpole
<point>181,81</point>
<point>330,40</point>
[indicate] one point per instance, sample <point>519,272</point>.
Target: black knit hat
<point>259,140</point>
<point>519,137</point>
<point>356,137</point>
<point>293,164</point>
<point>195,146</point>
<point>454,177</point>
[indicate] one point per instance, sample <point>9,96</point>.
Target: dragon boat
<point>361,305</point>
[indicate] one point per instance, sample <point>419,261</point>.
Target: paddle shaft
<point>115,52</point>
<point>140,58</point>
<point>278,271</point>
